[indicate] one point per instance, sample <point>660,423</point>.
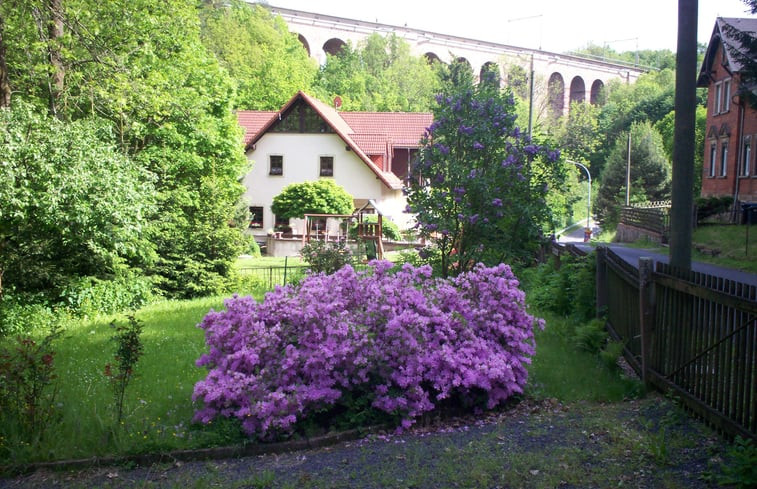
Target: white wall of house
<point>301,162</point>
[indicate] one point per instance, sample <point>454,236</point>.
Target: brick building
<point>730,144</point>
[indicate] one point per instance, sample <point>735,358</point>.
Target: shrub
<point>25,313</point>
<point>326,257</point>
<point>406,342</point>
<point>90,296</point>
<point>591,336</point>
<point>27,390</point>
<point>740,468</point>
<point>569,291</point>
<point>711,206</point>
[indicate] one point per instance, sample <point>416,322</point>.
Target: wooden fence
<point>653,219</point>
<point>686,332</point>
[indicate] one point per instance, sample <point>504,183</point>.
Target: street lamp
<point>587,233</point>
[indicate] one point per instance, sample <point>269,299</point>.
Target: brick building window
<point>746,157</point>
<point>722,100</point>
<point>713,158</point>
<point>723,158</point>
<point>726,104</point>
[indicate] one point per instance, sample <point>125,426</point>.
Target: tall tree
<point>650,173</point>
<point>380,74</point>
<point>141,65</point>
<point>578,134</point>
<point>649,99</point>
<point>666,128</point>
<point>5,87</point>
<point>267,62</point>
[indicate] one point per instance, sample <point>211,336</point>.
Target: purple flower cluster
<point>410,341</point>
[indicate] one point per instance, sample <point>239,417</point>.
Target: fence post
<point>601,279</point>
<point>557,251</point>
<point>646,314</point>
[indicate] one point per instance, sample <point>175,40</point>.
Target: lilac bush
<point>478,188</point>
<point>407,340</point>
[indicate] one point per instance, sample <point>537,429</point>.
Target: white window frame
<point>746,159</point>
<point>726,102</point>
<point>718,97</point>
<point>723,158</point>
<point>713,158</point>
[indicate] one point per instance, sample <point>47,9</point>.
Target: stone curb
<point>215,453</point>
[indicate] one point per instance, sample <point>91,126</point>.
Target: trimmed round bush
<point>406,340</point>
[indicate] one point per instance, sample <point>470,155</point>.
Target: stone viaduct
<point>559,78</point>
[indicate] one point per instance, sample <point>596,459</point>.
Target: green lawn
<point>158,403</point>
<point>736,245</point>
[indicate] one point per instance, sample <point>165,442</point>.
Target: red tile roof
<point>367,133</point>
<point>404,129</point>
<point>253,121</point>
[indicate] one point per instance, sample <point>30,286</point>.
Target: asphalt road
<point>632,255</point>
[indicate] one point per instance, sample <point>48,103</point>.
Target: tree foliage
<point>665,127</point>
<point>578,135</point>
<point>267,62</point>
<point>141,66</point>
<point>71,204</point>
<point>314,197</point>
<point>478,188</point>
<point>649,99</point>
<point>379,74</point>
<point>659,59</point>
<point>650,173</point>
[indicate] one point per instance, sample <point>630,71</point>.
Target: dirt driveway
<point>648,443</point>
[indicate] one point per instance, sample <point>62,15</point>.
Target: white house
<point>367,153</point>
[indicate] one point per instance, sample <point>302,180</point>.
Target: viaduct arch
<point>563,78</point>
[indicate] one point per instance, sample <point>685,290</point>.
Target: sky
<point>552,25</point>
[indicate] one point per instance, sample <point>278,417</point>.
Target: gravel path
<point>648,443</point>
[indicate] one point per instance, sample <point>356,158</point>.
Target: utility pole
<point>628,171</point>
<point>531,97</point>
<point>683,136</point>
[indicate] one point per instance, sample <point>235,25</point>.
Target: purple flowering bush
<point>406,341</point>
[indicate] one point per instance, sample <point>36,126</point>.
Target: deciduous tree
<point>71,203</point>
<point>267,62</point>
<point>379,74</point>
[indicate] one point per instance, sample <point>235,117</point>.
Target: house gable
<point>300,118</point>
<point>373,139</point>
<point>369,154</point>
<point>729,167</point>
